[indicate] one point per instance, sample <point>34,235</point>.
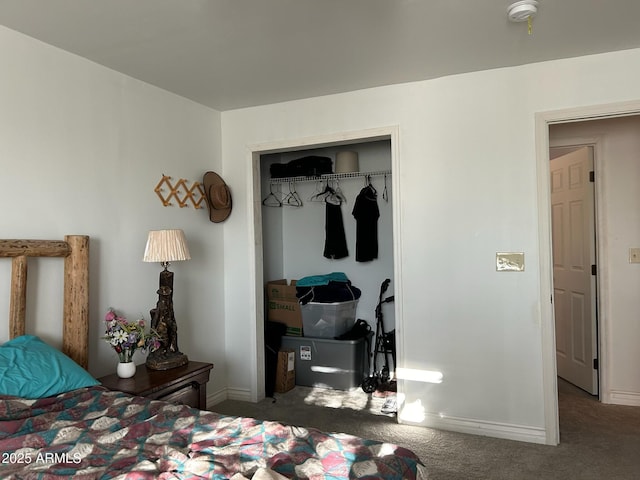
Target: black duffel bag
<point>278,170</point>
<point>310,166</point>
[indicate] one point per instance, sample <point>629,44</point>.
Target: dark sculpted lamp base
<point>164,323</point>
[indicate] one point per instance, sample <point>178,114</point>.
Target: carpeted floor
<point>597,441</point>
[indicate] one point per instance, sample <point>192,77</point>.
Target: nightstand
<point>184,385</point>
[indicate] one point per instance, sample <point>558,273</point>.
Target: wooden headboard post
<point>75,250</point>
<point>18,300</point>
<point>75,330</point>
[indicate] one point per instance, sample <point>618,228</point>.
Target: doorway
<point>272,226</point>
<point>612,256</point>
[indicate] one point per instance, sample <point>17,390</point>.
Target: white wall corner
<point>219,396</point>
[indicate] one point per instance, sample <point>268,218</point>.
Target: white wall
<point>617,159</point>
<point>467,189</point>
<point>81,150</point>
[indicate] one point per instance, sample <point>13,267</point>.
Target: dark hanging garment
<point>335,244</point>
<point>366,213</point>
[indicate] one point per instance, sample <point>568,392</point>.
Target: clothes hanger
<point>322,196</point>
<point>292,199</point>
<point>370,185</point>
<point>369,189</point>
<point>334,197</point>
<point>288,197</point>
<point>338,192</point>
<point>271,200</point>
<point>385,194</point>
<point>296,196</point>
<point>318,194</point>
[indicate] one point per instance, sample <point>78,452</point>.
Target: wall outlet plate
<point>634,255</point>
<point>510,261</point>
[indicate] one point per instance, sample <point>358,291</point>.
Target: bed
<point>72,427</point>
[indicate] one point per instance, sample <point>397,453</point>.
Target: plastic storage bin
<point>328,320</point>
<point>328,363</point>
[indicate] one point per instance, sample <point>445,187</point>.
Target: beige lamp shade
<point>166,246</point>
<point>346,162</point>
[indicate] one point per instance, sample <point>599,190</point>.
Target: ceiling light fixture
<point>523,11</point>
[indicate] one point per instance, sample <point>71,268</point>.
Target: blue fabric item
<point>30,368</point>
<point>317,280</point>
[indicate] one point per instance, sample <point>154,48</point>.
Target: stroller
<point>385,345</point>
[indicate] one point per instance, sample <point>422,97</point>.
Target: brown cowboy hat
<point>218,197</point>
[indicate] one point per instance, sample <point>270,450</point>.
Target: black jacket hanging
<point>366,213</point>
<point>335,244</point>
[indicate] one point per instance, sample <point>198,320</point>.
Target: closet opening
<point>310,226</point>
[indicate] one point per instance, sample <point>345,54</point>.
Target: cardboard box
<point>281,290</point>
<point>283,306</point>
<point>285,372</point>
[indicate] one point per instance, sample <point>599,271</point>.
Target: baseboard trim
<point>619,397</point>
<point>221,395</point>
<point>487,429</point>
<point>240,394</point>
<point>215,398</point>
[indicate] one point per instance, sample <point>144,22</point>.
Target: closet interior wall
<point>293,237</point>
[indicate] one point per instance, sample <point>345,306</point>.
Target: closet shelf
<point>328,176</point>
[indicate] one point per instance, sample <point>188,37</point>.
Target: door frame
<point>255,230</point>
<point>547,324</point>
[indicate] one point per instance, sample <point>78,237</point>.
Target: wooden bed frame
<point>75,324</point>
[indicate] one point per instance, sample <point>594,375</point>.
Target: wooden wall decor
<point>181,192</point>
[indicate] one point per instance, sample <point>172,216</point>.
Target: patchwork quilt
<point>94,433</point>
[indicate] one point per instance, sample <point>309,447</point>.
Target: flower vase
<point>126,369</point>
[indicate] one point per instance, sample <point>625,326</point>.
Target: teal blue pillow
<point>29,368</point>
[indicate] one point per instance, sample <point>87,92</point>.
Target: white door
<point>573,231</point>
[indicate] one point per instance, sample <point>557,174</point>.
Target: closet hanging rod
<point>329,176</point>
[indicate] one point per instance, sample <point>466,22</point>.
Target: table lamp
<point>165,246</point>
